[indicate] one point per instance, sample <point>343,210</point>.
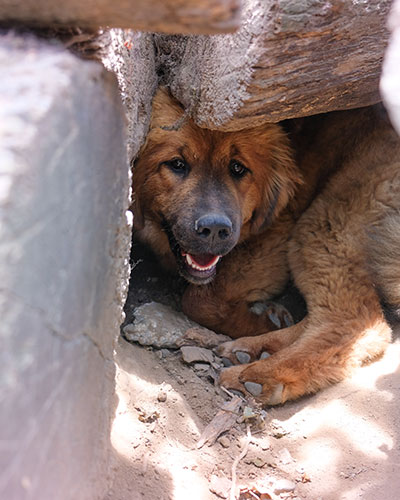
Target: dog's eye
<point>237,169</point>
<point>178,166</point>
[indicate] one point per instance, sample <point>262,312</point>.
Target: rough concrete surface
<point>64,238</point>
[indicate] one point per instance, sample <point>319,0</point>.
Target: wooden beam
<point>290,58</point>
<point>168,16</point>
<point>319,59</point>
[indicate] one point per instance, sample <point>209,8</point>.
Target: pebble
<point>220,486</point>
<point>224,441</point>
<point>283,486</point>
<point>201,367</point>
<point>285,457</point>
<point>202,337</point>
<point>161,326</point>
<point>259,462</point>
<point>162,397</point>
<point>166,353</point>
<point>157,325</point>
<point>192,354</point>
<point>264,443</point>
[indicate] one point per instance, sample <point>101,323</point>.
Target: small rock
<point>201,367</point>
<point>192,354</point>
<point>165,353</point>
<point>220,486</point>
<point>276,429</point>
<point>259,462</point>
<point>224,442</point>
<point>283,486</point>
<point>248,413</point>
<point>157,325</point>
<point>285,457</point>
<point>202,337</point>
<point>162,396</point>
<point>264,443</point>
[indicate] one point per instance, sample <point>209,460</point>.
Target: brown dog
<point>236,216</point>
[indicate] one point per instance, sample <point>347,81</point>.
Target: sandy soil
<point>342,443</point>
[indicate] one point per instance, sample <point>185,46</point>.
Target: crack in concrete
<point>96,345</point>
<point>42,314</point>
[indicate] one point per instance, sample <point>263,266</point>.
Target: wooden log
<point>168,16</point>
<point>319,59</point>
<point>290,58</point>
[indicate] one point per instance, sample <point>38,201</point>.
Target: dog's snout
<point>213,226</point>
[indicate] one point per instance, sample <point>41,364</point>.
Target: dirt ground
<point>342,443</point>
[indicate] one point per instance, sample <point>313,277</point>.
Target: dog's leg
<point>325,353</point>
<point>248,349</point>
<point>345,326</point>
<point>234,318</point>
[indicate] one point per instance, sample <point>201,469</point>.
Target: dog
<point>239,213</point>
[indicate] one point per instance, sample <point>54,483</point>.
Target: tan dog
<point>236,216</point>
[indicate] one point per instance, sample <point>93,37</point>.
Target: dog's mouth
<point>202,267</point>
<point>196,267</point>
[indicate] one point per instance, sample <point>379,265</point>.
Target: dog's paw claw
<point>226,362</point>
<point>254,380</point>
<point>243,357</point>
<point>274,318</point>
<point>265,355</point>
<point>253,388</point>
<point>276,396</point>
<point>279,315</point>
<point>288,320</point>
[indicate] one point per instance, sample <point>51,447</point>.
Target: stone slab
<point>64,246</point>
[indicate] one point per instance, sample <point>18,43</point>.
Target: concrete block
<point>64,247</point>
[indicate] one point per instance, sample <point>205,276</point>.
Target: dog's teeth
<point>190,261</point>
<point>193,264</point>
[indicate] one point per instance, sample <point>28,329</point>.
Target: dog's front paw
<point>276,315</point>
<point>255,380</point>
<point>242,351</point>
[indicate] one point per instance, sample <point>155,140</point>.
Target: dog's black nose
<point>213,226</point>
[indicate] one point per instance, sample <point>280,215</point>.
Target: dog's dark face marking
<point>200,192</point>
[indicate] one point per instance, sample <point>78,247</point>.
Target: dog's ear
<point>278,185</point>
<point>265,213</point>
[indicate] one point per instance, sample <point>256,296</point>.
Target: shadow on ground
<point>342,443</point>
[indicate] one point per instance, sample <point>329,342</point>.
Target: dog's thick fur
<point>327,215</point>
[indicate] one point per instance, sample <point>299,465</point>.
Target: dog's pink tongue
<point>204,260</point>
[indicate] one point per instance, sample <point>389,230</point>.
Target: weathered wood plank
<point>321,59</point>
<point>290,58</point>
<point>168,16</point>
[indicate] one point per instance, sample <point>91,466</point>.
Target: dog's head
<point>199,192</point>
